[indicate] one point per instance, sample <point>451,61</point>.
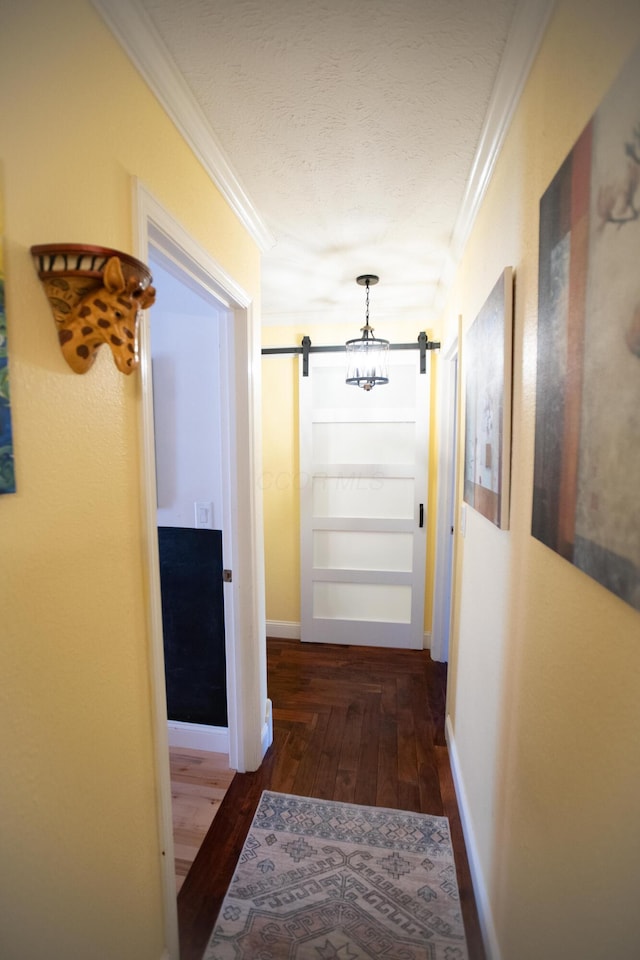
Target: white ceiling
<point>358,134</point>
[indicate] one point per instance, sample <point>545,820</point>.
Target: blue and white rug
<point>320,880</point>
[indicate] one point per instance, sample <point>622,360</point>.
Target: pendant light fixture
<point>367,356</point>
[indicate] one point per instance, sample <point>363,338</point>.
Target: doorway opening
<point>188,409</point>
<point>187,405</point>
<point>161,238</point>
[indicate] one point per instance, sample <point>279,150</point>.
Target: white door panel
<point>338,442</point>
<point>363,456</point>
<point>362,496</point>
<point>362,550</point>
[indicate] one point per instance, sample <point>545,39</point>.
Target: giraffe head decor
<point>96,295</point>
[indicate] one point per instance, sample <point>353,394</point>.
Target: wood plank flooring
<point>358,724</point>
<point>199,781</point>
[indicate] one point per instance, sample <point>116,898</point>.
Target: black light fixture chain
<point>367,285</point>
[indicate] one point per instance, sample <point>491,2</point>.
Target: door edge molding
<point>448,399</point>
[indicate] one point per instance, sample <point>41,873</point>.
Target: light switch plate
<point>203,510</point>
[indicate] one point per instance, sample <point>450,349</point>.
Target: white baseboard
<point>483,904</point>
<point>283,629</point>
<point>289,630</point>
<point>198,736</point>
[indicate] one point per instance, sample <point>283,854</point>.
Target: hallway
<point>356,724</point>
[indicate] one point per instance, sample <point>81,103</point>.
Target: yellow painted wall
<point>280,478</point>
<point>79,850</point>
<point>545,667</point>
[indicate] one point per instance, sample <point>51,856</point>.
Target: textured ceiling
<point>352,125</point>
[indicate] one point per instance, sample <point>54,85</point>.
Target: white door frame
<point>249,714</point>
<point>447,455</point>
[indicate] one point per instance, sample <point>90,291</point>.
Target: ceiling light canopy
<point>367,356</point>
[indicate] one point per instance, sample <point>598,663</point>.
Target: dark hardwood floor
<point>357,724</point>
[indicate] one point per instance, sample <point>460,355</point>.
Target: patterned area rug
<point>319,880</point>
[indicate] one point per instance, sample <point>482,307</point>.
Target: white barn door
<point>363,490</point>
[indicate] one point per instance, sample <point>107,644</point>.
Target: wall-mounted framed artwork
<point>488,376</point>
<point>587,438</point>
<point>7,473</point>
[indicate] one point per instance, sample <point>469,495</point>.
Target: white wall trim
<point>283,629</point>
<point>480,890</point>
<point>527,29</point>
<point>267,728</point>
<point>152,561</point>
<point>137,35</point>
<point>198,736</point>
<point>290,630</point>
<point>174,241</point>
<point>447,465</point>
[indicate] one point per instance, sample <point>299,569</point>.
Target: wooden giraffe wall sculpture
<point>96,295</point>
<point>108,314</point>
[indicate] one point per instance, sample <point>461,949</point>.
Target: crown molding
<point>138,37</point>
<point>527,29</point>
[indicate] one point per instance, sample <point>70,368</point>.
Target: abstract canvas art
<point>587,437</point>
<point>7,473</point>
<point>488,363</point>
